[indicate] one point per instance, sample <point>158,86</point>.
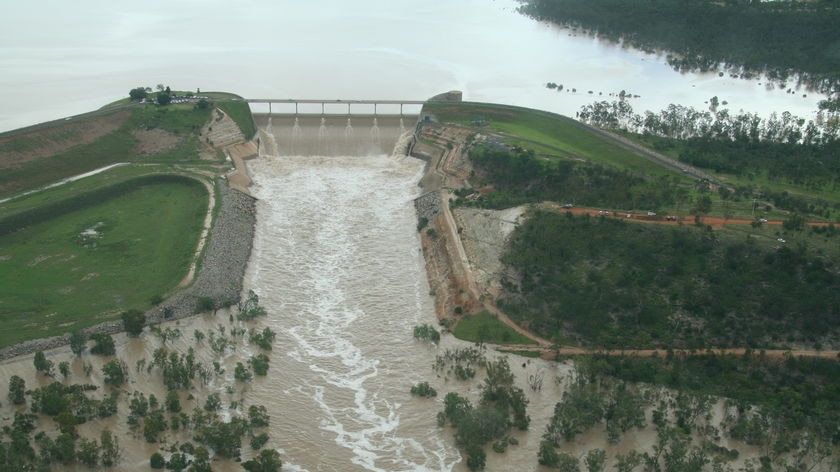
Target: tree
<point>703,205</point>
<point>24,422</point>
<point>109,448</point>
<point>258,441</point>
<point>17,390</point>
<point>163,99</point>
<point>548,455</point>
<point>476,457</point>
<point>201,461</point>
<point>177,462</point>
<point>251,309</point>
<point>88,452</point>
<point>795,223</point>
<point>66,422</point>
<point>567,462</point>
<point>425,332</point>
<point>260,364</point>
<point>64,368</point>
<point>173,402</point>
<point>64,448</point>
<point>582,407</point>
<point>153,425</point>
<point>268,460</point>
<point>241,373</point>
<point>224,438</point>
<point>423,389</point>
<point>213,402</point>
<point>42,364</point>
<point>596,460</point>
<point>627,462</point>
<point>258,416</point>
<point>138,93</point>
<point>78,340</point>
<point>133,322</point>
<point>115,372</point>
<point>156,461</point>
<point>104,345</point>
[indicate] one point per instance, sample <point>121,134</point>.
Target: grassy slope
<point>51,278</point>
<point>545,133</point>
<point>485,327</point>
<point>54,278</point>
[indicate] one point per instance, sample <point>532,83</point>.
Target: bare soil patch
<point>154,141</point>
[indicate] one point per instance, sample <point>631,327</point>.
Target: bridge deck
<point>324,103</point>
<point>338,101</point>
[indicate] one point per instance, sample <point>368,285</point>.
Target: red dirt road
<point>713,221</point>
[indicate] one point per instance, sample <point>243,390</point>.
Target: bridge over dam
<point>294,106</point>
<point>333,127</point>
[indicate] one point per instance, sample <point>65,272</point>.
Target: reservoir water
<point>85,54</point>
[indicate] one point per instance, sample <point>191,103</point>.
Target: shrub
<point>157,461</point>
<point>251,309</point>
<point>425,332</point>
<point>104,345</point>
<point>133,322</point>
<point>423,389</point>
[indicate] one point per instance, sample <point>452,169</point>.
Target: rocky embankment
<point>219,280</point>
<point>447,267</point>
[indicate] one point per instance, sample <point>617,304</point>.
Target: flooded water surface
<point>85,54</point>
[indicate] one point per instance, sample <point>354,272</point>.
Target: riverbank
<point>219,277</point>
<point>447,273</point>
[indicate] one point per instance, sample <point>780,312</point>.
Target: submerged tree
<point>17,390</point>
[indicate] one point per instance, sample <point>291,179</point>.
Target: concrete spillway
<point>331,135</point>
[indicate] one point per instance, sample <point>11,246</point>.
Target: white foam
<point>330,255</point>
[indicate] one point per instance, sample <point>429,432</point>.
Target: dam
<point>313,127</point>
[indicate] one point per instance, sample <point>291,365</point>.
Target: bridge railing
<point>337,107</point>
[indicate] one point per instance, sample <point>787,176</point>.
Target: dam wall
<point>333,135</point>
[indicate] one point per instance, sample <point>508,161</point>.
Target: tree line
<point>782,148</point>
<point>609,283</point>
<point>519,176</point>
<point>783,40</point>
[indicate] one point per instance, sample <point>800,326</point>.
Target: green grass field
<point>82,252</point>
<point>545,133</point>
<point>485,327</point>
<point>240,113</point>
<point>88,265</point>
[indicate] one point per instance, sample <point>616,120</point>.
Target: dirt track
<point>713,221</point>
